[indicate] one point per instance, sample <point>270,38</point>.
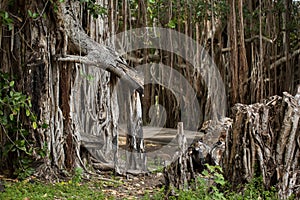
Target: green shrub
<point>17,147</point>
<point>212,185</point>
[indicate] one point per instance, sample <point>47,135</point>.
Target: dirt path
<point>134,187</point>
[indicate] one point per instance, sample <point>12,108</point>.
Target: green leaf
<point>15,111</point>
<point>23,148</point>
<point>29,13</point>
<point>34,125</point>
<point>6,15</point>
<point>29,102</point>
<point>20,143</point>
<point>205,173</point>
<point>220,181</point>
<point>210,167</point>
<point>171,24</point>
<point>12,83</point>
<point>44,125</point>
<point>219,168</point>
<point>3,120</point>
<point>27,112</point>
<point>35,15</point>
<point>10,26</point>
<point>11,117</point>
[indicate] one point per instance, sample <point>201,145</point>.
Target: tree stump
<point>264,141</point>
<point>190,161</point>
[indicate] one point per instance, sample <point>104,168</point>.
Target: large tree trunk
<point>264,141</point>
<point>189,162</point>
<point>77,100</point>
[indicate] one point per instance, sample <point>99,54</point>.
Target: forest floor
<point>135,187</point>
<point>104,187</point>
<point>144,184</point>
<point>160,150</point>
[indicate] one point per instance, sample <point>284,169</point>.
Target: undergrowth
<point>18,148</point>
<point>211,185</point>
<point>62,190</point>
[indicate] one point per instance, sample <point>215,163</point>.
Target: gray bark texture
<point>189,162</point>
<point>265,141</point>
<point>71,77</point>
<point>92,53</point>
<point>262,139</point>
<point>106,111</point>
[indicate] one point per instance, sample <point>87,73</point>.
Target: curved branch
<point>284,59</point>
<point>94,53</point>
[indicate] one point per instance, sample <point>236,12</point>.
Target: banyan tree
<point>68,99</point>
<point>55,51</point>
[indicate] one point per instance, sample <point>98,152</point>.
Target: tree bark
<point>92,53</point>
<point>189,162</point>
<point>77,101</point>
<point>135,154</point>
<point>264,141</point>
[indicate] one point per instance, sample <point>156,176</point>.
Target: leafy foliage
<point>201,9</point>
<point>6,20</point>
<point>15,135</point>
<point>95,9</point>
<point>77,175</point>
<point>212,185</point>
<point>33,15</point>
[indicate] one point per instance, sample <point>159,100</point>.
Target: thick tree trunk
<point>77,101</point>
<point>91,52</point>
<point>264,141</point>
<point>189,162</point>
<point>135,154</point>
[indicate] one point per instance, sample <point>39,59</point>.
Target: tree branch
<point>95,54</point>
<point>257,37</point>
<point>283,59</point>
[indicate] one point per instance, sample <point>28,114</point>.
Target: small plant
<point>256,190</point>
<point>215,173</point>
<point>157,195</point>
<point>77,175</point>
<point>33,15</point>
<point>207,186</point>
<point>18,150</point>
<point>212,185</point>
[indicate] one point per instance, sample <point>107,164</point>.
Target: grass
<point>213,186</point>
<point>95,189</point>
<point>62,190</point>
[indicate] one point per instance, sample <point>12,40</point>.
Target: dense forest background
<point>51,102</point>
